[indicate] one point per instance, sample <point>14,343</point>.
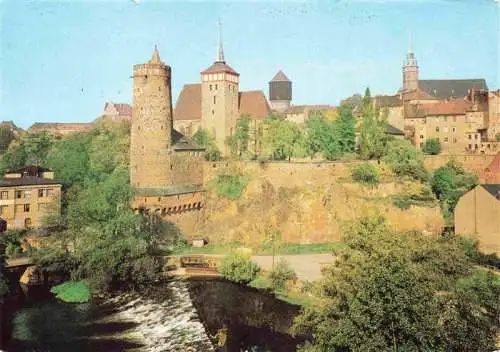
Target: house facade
<point>477,215</point>
<point>27,196</point>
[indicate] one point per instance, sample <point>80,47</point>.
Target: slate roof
<point>445,88</point>
<point>493,189</point>
<point>280,77</point>
<point>181,142</point>
<point>253,103</point>
<point>219,67</point>
<point>27,181</point>
<point>418,94</point>
<point>390,129</point>
<point>188,104</point>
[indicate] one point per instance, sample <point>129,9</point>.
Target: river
<point>175,315</point>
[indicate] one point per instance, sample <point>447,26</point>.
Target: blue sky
<point>62,60</point>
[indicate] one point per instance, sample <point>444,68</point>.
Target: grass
<point>72,292</point>
<point>280,249</point>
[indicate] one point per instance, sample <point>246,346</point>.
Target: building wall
<point>279,105</point>
<point>187,127</point>
<point>395,117</point>
<point>187,167</point>
<point>151,128</point>
<point>219,106</point>
<point>457,133</point>
<point>13,210</point>
<point>477,215</point>
<point>410,78</point>
<point>494,114</point>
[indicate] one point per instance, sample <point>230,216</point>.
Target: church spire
<point>220,51</point>
<point>155,59</point>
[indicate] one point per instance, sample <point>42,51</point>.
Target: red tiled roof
<point>492,173</point>
<point>452,107</point>
<point>219,67</point>
<point>60,126</point>
<point>418,94</point>
<point>188,105</point>
<point>123,109</point>
<point>254,103</point>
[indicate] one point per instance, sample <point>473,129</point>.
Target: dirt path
<point>306,266</point>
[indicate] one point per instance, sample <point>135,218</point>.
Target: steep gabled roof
<point>492,172</point>
<point>446,88</point>
<point>253,103</point>
<point>418,94</point>
<point>390,129</point>
<point>280,77</point>
<point>220,67</point>
<point>188,105</point>
<point>452,107</point>
<point>182,142</point>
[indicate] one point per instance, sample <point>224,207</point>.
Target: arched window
<point>27,223</point>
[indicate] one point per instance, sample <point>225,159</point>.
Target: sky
<point>60,61</point>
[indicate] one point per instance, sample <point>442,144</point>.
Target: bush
<point>366,174</point>
<point>282,273</point>
<point>238,267</point>
<point>432,146</point>
<point>497,136</point>
<point>405,160</point>
<point>230,183</point>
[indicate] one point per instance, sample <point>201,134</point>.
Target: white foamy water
<point>167,323</point>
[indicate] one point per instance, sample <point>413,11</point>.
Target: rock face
<point>309,210</point>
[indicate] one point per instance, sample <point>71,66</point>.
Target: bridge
<point>18,262</point>
<point>192,265</point>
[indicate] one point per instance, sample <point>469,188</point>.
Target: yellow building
<point>477,215</point>
<point>27,195</point>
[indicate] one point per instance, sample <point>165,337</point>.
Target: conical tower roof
<point>280,77</point>
<point>155,59</point>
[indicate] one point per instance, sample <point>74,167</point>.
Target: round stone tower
<point>151,127</point>
<point>280,92</point>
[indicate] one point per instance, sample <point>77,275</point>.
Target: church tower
<point>219,99</point>
<point>410,71</point>
<point>151,127</point>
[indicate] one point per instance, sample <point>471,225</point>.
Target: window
<point>27,223</point>
<point>470,137</point>
<point>454,139</point>
<point>475,136</point>
<point>210,87</point>
<point>454,129</point>
<point>26,208</point>
<point>19,194</point>
<point>4,195</point>
<point>421,136</point>
<point>437,128</point>
<point>3,209</point>
<point>215,99</point>
<point>470,146</point>
<point>446,139</point>
<point>216,86</point>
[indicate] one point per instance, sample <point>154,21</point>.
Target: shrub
<point>238,267</point>
<point>281,274</point>
<point>366,174</point>
<point>497,136</point>
<point>432,146</point>
<point>230,183</point>
<point>405,160</point>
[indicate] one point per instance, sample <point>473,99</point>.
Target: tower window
<point>215,100</point>
<point>216,87</point>
<point>210,87</point>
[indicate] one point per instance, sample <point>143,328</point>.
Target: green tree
<point>449,183</point>
<point>238,267</point>
<point>204,139</point>
<point>346,129</point>
<point>282,138</point>
<point>36,146</point>
<point>241,136</point>
<point>401,292</point>
<point>324,136</point>
<point>405,160</point>
<point>6,136</point>
<point>432,146</point>
<point>372,131</point>
<point>497,136</point>
<point>281,274</point>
